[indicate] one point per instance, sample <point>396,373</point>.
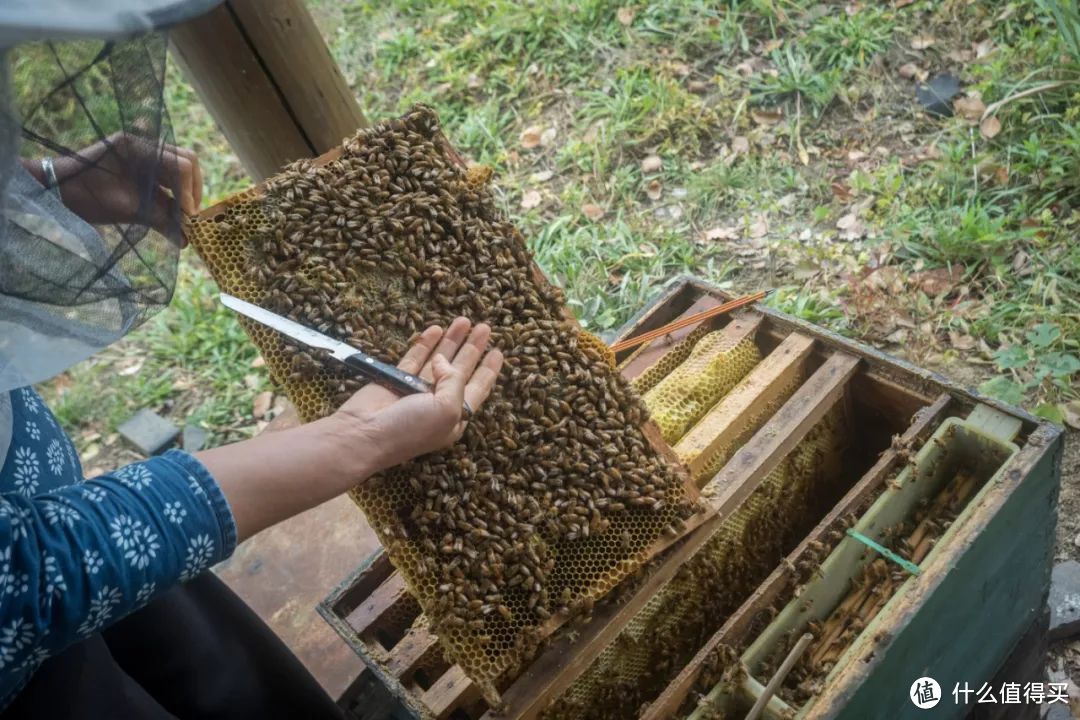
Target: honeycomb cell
<point>714,366</point>
<point>554,494</point>
<point>670,360</point>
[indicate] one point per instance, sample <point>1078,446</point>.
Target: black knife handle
<point>393,378</point>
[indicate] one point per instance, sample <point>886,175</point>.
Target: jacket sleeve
<point>75,560</point>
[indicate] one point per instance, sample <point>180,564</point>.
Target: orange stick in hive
<point>727,307</point>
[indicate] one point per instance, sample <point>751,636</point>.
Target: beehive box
<point>559,488</point>
<point>807,441</point>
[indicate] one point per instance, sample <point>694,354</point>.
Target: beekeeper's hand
<point>401,428</point>
<point>279,474</point>
<point>126,179</point>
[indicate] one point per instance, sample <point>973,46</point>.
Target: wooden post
<point>267,77</point>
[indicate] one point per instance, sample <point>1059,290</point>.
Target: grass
<point>793,155</point>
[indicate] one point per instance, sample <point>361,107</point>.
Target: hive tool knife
<point>377,371</point>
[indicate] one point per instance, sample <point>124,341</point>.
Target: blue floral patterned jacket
<point>77,555</point>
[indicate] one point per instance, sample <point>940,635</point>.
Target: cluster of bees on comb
<point>554,493</point>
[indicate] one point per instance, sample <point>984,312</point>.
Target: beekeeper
<point>107,607</point>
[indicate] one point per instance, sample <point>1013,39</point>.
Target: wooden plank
<point>344,599</point>
<point>368,614</point>
<point>922,425</point>
<point>451,691</point>
<point>729,418</point>
<point>226,74</point>
<point>648,354</point>
<point>757,458</point>
<point>267,55</point>
<point>417,643</point>
<point>294,54</point>
<point>665,307</point>
<point>564,661</point>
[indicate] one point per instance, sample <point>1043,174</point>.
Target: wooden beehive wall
<point>916,402</point>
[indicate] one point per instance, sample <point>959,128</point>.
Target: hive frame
<point>463,687</point>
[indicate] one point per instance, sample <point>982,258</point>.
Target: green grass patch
<point>793,155</point>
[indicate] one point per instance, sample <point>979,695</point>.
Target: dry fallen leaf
<point>626,15</point>
<point>261,404</point>
<point>990,127</point>
<point>961,342</point>
<point>593,212</point>
<point>970,108</point>
<point>698,87</point>
<point>982,49</point>
<point>842,191</point>
<point>1072,414</point>
<point>911,71</point>
<point>847,221</point>
<point>939,281</point>
<point>530,199</point>
<point>721,233</point>
<point>921,42</point>
<point>759,228</point>
<point>530,137</point>
<point>851,227</point>
<point>542,176</point>
<point>654,190</point>
<point>134,367</point>
<point>740,145</point>
<point>651,164</point>
<point>1020,262</point>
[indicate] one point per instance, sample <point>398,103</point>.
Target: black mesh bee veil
<point>89,227</point>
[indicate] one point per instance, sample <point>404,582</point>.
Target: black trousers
<point>196,651</point>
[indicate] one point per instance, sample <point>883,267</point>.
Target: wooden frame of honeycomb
<point>345,238</point>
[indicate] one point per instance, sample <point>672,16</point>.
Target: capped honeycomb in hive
<point>636,666</point>
<point>555,493</point>
<point>670,360</point>
<point>717,362</point>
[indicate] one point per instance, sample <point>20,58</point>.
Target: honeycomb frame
<point>230,237</point>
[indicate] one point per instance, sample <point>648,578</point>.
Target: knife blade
<point>389,376</point>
